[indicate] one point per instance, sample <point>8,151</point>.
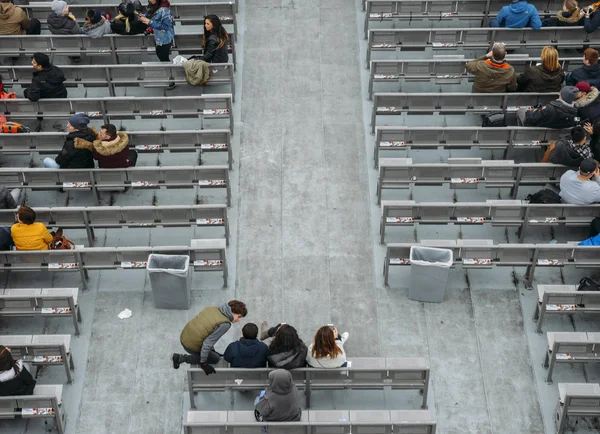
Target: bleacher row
<point>439,40</point>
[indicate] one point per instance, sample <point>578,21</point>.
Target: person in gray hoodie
<point>279,402</point>
<point>96,25</point>
<point>61,21</point>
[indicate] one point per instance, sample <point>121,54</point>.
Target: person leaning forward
<point>202,332</point>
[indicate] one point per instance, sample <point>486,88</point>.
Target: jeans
<point>162,52</point>
<point>194,357</point>
<point>50,163</point>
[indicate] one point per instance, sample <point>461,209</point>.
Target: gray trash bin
<point>170,279</point>
<point>429,269</point>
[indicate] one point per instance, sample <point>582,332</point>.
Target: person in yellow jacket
<point>27,234</point>
<point>202,332</point>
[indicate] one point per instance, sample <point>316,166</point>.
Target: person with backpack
<point>127,22</point>
<point>560,113</point>
<point>571,150</point>
<point>517,15</point>
<point>581,187</point>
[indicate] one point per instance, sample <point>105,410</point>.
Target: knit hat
<point>41,59</point>
<point>583,86</point>
<point>59,7</point>
<point>587,166</point>
<point>79,121</point>
<point>569,94</point>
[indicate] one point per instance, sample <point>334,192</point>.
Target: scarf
<point>500,65</point>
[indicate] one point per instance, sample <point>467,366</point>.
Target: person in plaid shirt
<point>572,149</point>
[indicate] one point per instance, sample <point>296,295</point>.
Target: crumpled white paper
<point>238,381</point>
<point>125,313</point>
<point>179,60</point>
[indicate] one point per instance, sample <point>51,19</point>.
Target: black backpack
<point>543,196</point>
<point>495,119</point>
<point>587,284</point>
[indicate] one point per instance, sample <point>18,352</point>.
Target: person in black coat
<point>15,379</point>
<point>215,41</point>
<point>588,105</point>
<point>547,77</point>
<point>589,72</point>
<point>77,152</point>
<point>571,150</point>
<point>248,352</point>
<point>560,113</point>
<point>48,80</point>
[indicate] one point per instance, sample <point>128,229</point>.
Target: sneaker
<point>264,330</point>
<point>171,86</point>
<point>176,359</point>
<point>345,336</point>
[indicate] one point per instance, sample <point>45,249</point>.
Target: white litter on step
<point>125,313</point>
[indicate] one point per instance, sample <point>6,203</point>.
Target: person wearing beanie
<point>589,72</point>
<point>492,73</point>
<point>61,21</point>
<point>517,15</point>
<point>14,20</point>
<point>48,80</point>
<point>96,25</point>
<point>77,151</point>
<point>560,113</point>
<point>588,102</point>
<point>570,15</point>
<point>581,187</point>
<point>571,150</point>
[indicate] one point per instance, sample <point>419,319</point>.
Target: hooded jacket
<point>97,30</point>
<point>13,20</point>
<point>588,106</point>
<point>247,353</point>
<point>280,402</point>
<point>589,74</point>
<point>518,15</point>
<point>212,53</point>
<point>46,83</point>
<point>77,150</point>
<point>203,331</point>
<point>290,359</point>
<point>564,153</point>
<point>12,384</point>
<point>539,79</point>
<point>62,25</point>
<point>563,18</point>
<point>492,76</point>
<point>555,114</point>
<point>112,154</point>
<point>7,201</point>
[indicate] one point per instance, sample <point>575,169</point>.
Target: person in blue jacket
<point>517,15</point>
<point>591,17</point>
<point>158,17</point>
<point>248,352</point>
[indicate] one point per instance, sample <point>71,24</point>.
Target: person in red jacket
<point>111,149</point>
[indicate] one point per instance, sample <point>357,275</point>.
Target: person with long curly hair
<point>15,379</point>
<point>286,349</point>
<point>327,350</point>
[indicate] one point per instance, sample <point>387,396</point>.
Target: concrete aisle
<point>304,252</point>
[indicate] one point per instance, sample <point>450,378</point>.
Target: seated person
<point>560,113</point>
<point>96,25</point>
<point>545,77</point>
<point>128,22</point>
<point>279,402</point>
<point>589,72</point>
<point>594,131</point>
<point>286,349</point>
<point>248,352</point>
<point>27,234</point>
<point>9,199</point>
<point>492,73</point>
<point>76,152</point>
<point>582,187</point>
<point>591,17</point>
<point>517,15</point>
<point>570,15</point>
<point>14,20</point>
<point>571,150</point>
<point>214,42</point>
<point>111,149</point>
<point>588,102</point>
<point>327,350</point>
<point>48,80</point>
<point>61,21</point>
<point>15,379</point>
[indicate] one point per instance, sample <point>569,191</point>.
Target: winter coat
<point>565,153</point>
<point>62,25</point>
<point>290,359</point>
<point>588,106</point>
<point>30,237</point>
<point>518,15</point>
<point>13,20</point>
<point>563,18</point>
<point>12,384</point>
<point>97,30</point>
<point>589,74</point>
<point>77,150</point>
<point>7,201</point>
<point>112,154</point>
<point>197,72</point>
<point>592,23</point>
<point>121,23</point>
<point>162,25</point>
<point>206,328</point>
<point>491,76</point>
<point>539,79</point>
<point>47,83</point>
<point>555,114</point>
<point>247,353</point>
<point>280,402</point>
<point>212,52</point>
<point>327,362</point>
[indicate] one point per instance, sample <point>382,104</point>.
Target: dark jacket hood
<point>6,10</point>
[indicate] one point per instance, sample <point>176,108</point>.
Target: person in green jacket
<point>202,332</point>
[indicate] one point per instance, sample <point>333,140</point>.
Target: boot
<point>264,330</point>
<point>177,360</point>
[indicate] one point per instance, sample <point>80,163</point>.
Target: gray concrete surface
<point>304,250</point>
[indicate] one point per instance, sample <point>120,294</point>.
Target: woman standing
<point>546,77</point>
<point>327,351</point>
<point>214,41</point>
<point>15,379</point>
<point>158,17</point>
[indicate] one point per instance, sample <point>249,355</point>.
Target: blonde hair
<point>550,59</point>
